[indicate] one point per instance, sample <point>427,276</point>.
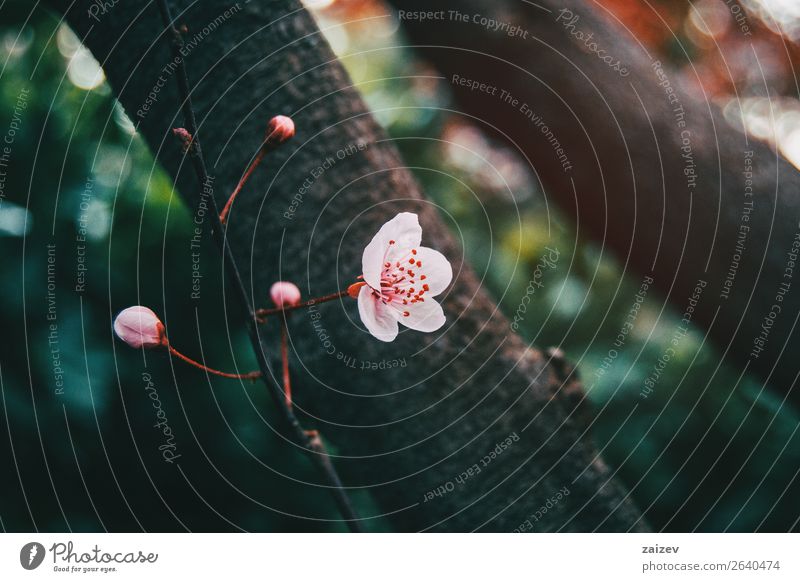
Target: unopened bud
<point>280,129</point>
<point>184,136</point>
<point>139,327</point>
<point>284,294</point>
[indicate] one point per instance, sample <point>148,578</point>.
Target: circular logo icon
<point>31,555</point>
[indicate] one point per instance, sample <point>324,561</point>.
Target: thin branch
<point>287,382</point>
<point>323,299</point>
<point>250,169</point>
<point>196,364</point>
<point>309,441</point>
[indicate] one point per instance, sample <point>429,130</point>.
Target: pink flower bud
<point>280,129</point>
<point>139,327</point>
<point>184,136</point>
<point>284,294</point>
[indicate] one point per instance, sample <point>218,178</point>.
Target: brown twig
<point>287,384</point>
<point>313,445</point>
<point>250,169</point>
<point>249,376</point>
<point>274,310</point>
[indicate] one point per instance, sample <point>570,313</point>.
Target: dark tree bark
<point>402,431</point>
<point>659,175</point>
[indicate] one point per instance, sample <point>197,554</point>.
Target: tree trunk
<point>402,431</point>
<point>649,165</point>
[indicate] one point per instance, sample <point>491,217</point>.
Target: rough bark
<point>661,182</point>
<point>402,431</point>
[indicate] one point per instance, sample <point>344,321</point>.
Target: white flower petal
<point>423,316</point>
<point>404,230</point>
<point>372,262</point>
<point>437,270</point>
<point>379,319</point>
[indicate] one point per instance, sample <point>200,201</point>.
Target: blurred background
<point>711,450</point>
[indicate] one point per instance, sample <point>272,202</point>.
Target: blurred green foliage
<point>709,449</point>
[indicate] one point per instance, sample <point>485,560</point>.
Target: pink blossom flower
<point>402,278</point>
<point>139,327</point>
<point>284,294</point>
<point>280,129</point>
